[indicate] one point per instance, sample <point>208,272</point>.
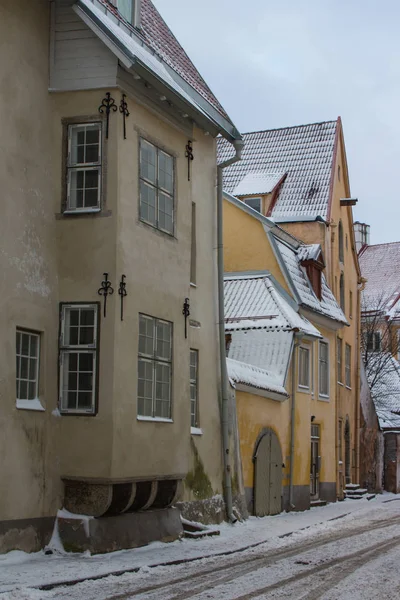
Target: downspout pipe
<point>297,336</point>
<point>238,144</point>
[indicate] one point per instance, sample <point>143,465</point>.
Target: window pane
<point>84,188</point>
<point>125,8</point>
<point>165,172</point>
<point>147,203</point>
<point>163,346</point>
<point>23,390</point>
<point>84,400</point>
<point>148,160</point>
<point>146,335</point>
<point>145,388</point>
<point>254,203</point>
<point>165,212</point>
<point>85,144</point>
<point>24,367</point>
<point>32,369</point>
<point>162,396</point>
<point>25,344</point>
<point>27,360</point>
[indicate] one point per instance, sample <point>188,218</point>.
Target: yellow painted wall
<point>246,246</point>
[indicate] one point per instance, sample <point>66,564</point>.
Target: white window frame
<point>301,350</point>
<point>247,200</point>
<point>79,349</point>
<point>194,384</point>
<point>347,366</point>
<point>74,167</point>
<point>323,395</point>
<point>28,403</point>
<point>157,187</point>
<point>134,18</point>
<point>155,361</point>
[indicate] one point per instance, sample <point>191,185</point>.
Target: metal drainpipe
<point>297,336</point>
<point>238,144</point>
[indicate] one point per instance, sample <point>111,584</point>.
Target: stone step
<point>355,497</point>
<point>314,503</point>
<point>358,491</point>
<point>194,530</point>
<point>352,486</point>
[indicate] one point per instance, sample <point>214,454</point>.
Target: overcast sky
<point>275,64</point>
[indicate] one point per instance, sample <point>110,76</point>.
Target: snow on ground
<point>20,572</point>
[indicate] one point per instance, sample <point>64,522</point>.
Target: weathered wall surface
<point>28,269</point>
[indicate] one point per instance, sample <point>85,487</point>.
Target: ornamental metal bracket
<point>189,155</point>
<point>105,290</point>
<point>107,105</point>
<point>186,313</point>
<point>123,293</point>
<point>123,108</point>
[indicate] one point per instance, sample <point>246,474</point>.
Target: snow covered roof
<point>252,376</point>
<point>309,252</point>
<point>386,394</point>
<point>305,153</point>
<point>380,265</point>
<point>253,302</point>
<point>154,48</point>
<point>258,183</point>
<point>298,281</point>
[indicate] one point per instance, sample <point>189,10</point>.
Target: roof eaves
<point>333,168</point>
<point>284,268</point>
<point>199,107</point>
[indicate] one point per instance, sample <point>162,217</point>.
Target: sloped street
<point>351,551</point>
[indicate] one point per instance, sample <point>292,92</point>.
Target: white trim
<point>196,431</point>
<point>242,387</point>
<point>27,380</point>
<point>154,419</point>
<point>34,405</point>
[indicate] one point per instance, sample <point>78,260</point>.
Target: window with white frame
<point>348,366</point>
<point>323,369</point>
<point>156,187</point>
<point>340,359</point>
<point>194,366</point>
<point>254,203</point>
<point>154,368</point>
<point>304,367</point>
<point>27,367</point>
<point>84,167</point>
<point>78,358</point>
<point>130,10</point>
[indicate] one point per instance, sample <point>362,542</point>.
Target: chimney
<point>361,233</point>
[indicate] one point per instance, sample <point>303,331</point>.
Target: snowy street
<point>346,550</point>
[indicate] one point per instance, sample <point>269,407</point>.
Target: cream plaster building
<point>109,382</point>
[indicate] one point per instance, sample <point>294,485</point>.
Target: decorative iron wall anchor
<point>107,105</point>
<point>123,108</point>
<point>105,291</point>
<point>186,313</point>
<point>122,292</point>
<point>189,155</point>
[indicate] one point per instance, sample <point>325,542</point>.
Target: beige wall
<point>28,263</point>
<point>49,258</point>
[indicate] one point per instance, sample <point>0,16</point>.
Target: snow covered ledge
<point>30,405</point>
<point>254,380</point>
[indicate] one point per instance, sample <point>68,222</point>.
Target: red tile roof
<point>156,33</point>
<point>305,153</point>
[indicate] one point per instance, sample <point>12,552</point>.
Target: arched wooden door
<point>268,476</point>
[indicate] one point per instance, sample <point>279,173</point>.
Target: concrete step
<point>352,486</point>
<point>359,492</point>
<point>314,503</point>
<point>194,530</point>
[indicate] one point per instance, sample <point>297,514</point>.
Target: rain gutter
<point>238,145</point>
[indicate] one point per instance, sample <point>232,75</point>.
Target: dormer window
<point>254,203</point>
<point>314,268</point>
<point>130,10</point>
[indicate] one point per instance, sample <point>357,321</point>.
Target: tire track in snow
<point>194,584</point>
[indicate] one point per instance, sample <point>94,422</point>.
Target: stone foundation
<point>28,535</point>
<point>108,534</point>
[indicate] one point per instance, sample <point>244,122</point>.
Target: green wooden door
<point>268,476</point>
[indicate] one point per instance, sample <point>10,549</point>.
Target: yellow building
<point>281,324</point>
<point>298,177</point>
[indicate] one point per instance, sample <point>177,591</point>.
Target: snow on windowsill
<point>196,431</point>
<point>193,285</point>
<point>154,419</point>
<point>30,405</point>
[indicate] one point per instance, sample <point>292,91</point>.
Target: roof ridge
<point>367,246</point>
<point>290,127</point>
